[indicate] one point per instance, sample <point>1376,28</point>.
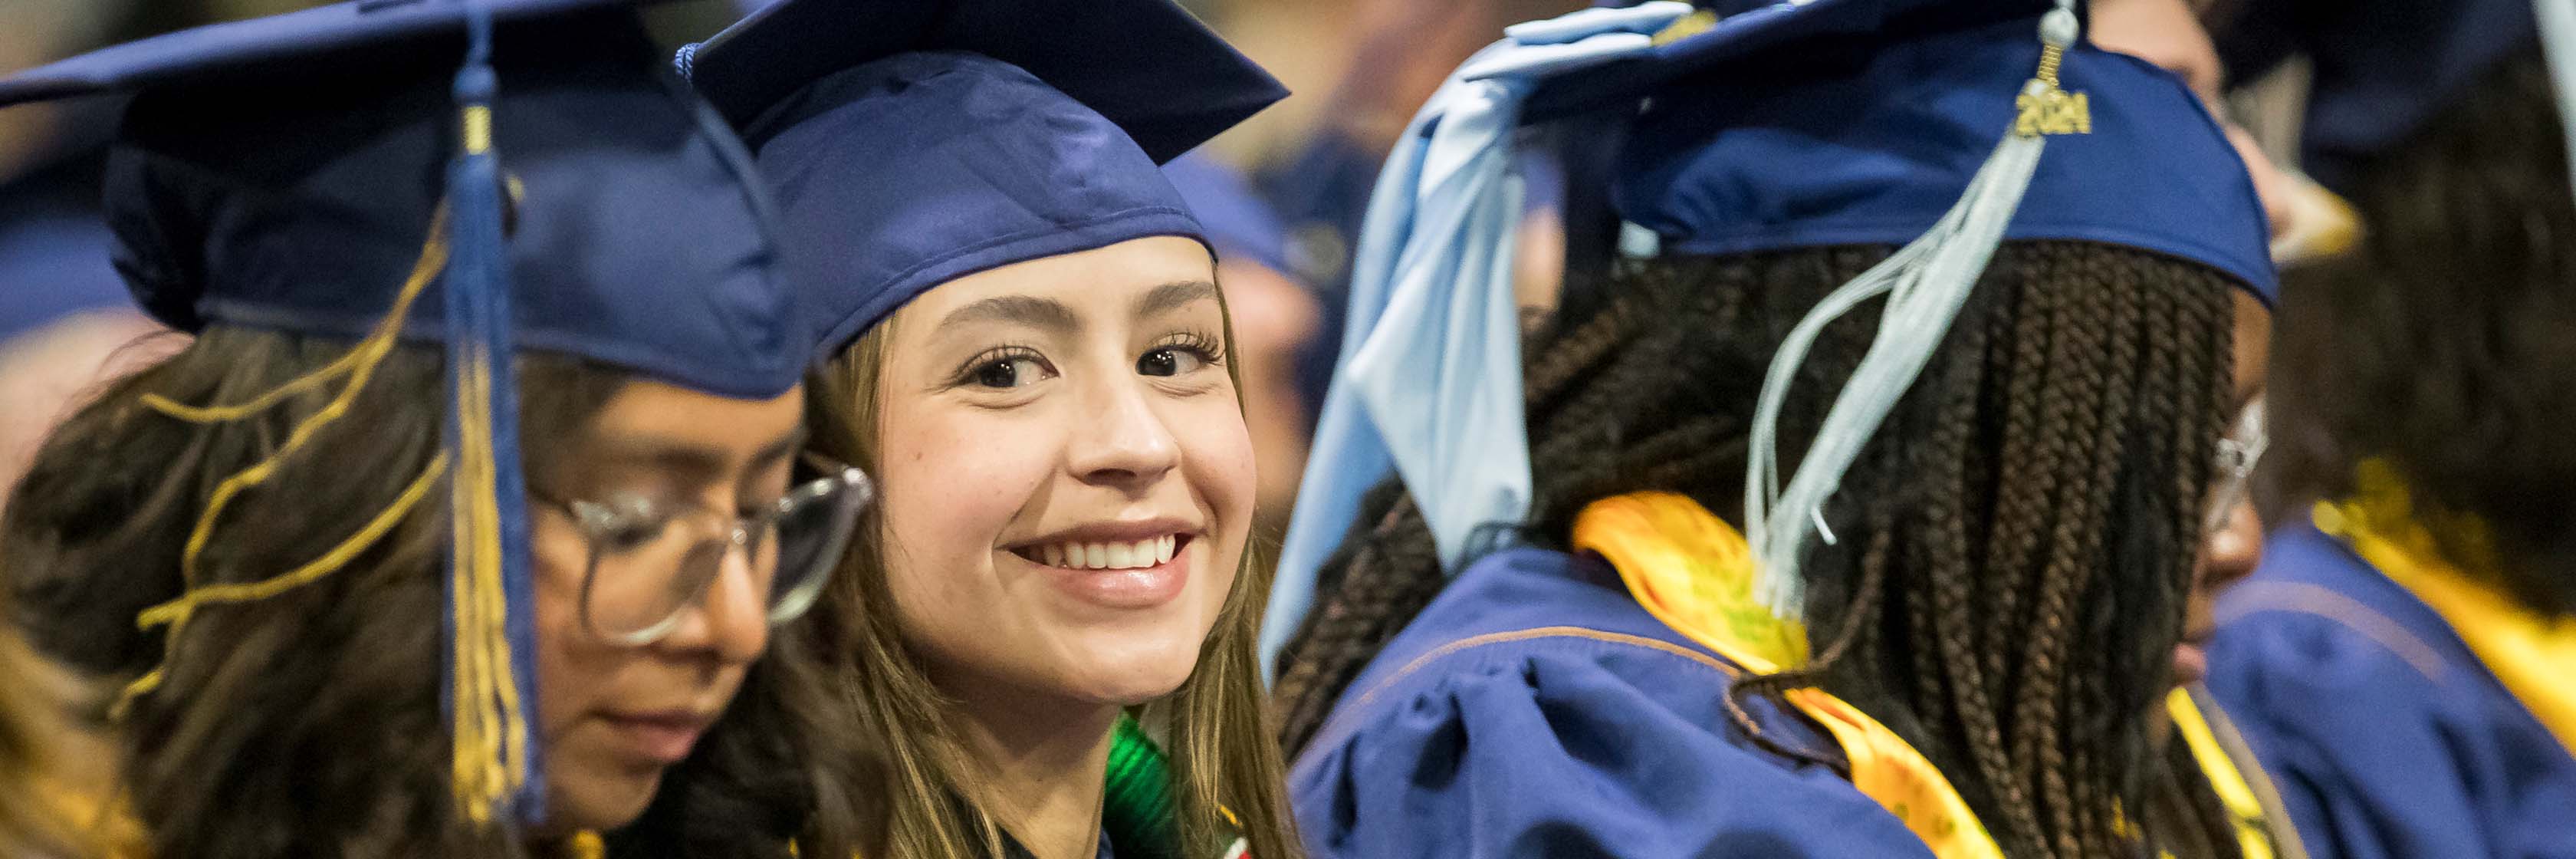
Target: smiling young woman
<point>1025,341</point>
<point>1069,490</point>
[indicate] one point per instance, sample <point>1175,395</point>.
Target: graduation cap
<point>910,144</point>
<point>339,172</point>
<point>1942,126</point>
<point>2381,69</point>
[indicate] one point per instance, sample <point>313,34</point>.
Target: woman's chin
<point>1134,674</point>
<point>1132,663</point>
<point>580,803</point>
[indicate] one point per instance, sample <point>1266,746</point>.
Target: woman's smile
<point>1130,565</point>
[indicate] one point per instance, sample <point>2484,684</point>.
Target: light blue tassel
<point>2557,19</point>
<point>1429,378</point>
<point>1925,283</point>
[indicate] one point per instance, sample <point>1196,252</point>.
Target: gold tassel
<point>359,366</point>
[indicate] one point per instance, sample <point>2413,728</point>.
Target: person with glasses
<point>2404,662</point>
<point>1857,512</point>
<point>1025,341</point>
<point>462,524</point>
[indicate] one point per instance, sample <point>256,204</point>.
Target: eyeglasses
<point>651,559</point>
<point>2237,455</point>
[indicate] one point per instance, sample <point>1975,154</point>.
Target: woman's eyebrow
<point>786,446</point>
<point>1046,313</point>
<point>1174,296</point>
<point>690,462</point>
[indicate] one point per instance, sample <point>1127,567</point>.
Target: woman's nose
<point>730,620</point>
<point>2231,551</point>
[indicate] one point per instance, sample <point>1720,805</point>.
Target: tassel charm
<point>2043,108</point>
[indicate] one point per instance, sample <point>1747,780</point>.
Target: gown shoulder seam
<point>2319,601</point>
<point>1346,715</point>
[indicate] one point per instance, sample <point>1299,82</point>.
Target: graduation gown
<point>2384,731</point>
<point>1535,710</point>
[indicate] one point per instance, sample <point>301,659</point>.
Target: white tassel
<point>1925,283</point>
<point>2557,20</point>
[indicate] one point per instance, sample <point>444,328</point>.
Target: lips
<point>2190,664</point>
<point>665,737</point>
<point>1119,565</point>
<point>2191,656</point>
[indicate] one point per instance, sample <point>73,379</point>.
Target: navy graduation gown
<point>2384,734</point>
<point>1534,709</point>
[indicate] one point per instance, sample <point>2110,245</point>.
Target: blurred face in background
<point>2169,34</point>
<point>1274,316</point>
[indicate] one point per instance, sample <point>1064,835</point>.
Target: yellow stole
<point>2533,656</point>
<point>1694,572</point>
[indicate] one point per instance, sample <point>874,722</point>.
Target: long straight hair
<point>1227,776</point>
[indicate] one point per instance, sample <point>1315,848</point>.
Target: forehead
<point>1094,281</point>
<point>654,414</point>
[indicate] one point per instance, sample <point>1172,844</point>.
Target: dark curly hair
<point>2016,546</point>
<point>2442,344</point>
<point>309,724</point>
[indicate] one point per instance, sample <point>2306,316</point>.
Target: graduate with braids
<point>1950,628</point>
<point>2405,660</point>
<point>1047,624</point>
<point>445,535</point>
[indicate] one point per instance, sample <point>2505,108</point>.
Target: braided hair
<point>2016,544</point>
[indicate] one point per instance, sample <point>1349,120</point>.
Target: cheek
<point>1217,443</point>
<point>953,482</point>
<point>564,671</point>
<point>1218,447</point>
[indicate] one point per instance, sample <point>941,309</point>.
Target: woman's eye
<point>1170,361</point>
<point>1009,373</point>
<point>629,535</point>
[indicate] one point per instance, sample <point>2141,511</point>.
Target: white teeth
<point>1140,554</point>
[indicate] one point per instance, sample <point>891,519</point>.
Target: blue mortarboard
<point>249,187</point>
<point>325,171</point>
<point>2383,68</point>
<point>1944,126</point>
<point>1723,170</point>
<point>910,144</point>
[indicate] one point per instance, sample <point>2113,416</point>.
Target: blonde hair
<point>53,797</point>
<point>1226,771</point>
